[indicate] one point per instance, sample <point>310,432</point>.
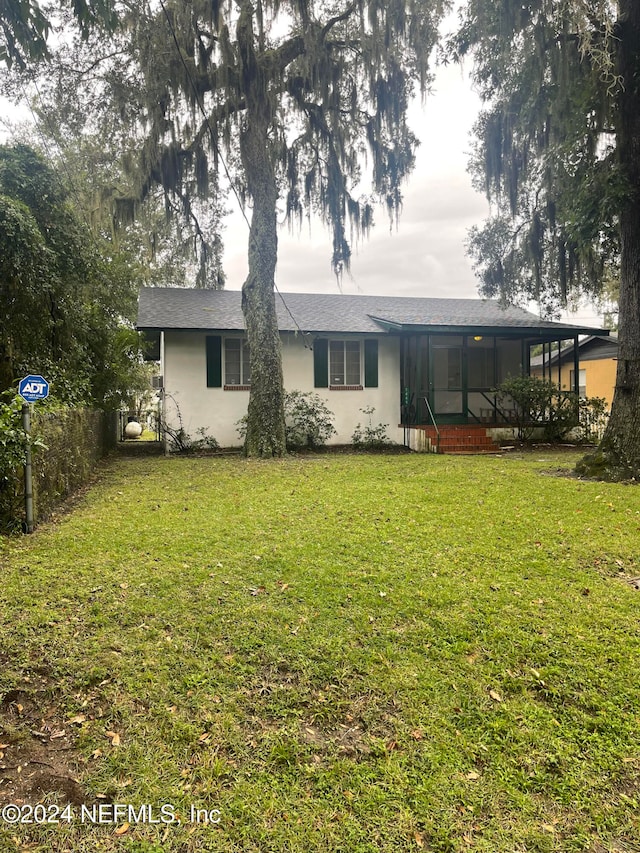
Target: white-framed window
<point>344,363</point>
<point>582,382</point>
<point>237,370</point>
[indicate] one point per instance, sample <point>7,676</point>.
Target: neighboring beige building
<point>597,364</point>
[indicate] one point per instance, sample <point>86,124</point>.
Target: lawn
<point>331,653</point>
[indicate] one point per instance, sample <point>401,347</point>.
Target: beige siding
<point>600,377</point>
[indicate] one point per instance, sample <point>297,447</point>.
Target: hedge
<point>75,441</point>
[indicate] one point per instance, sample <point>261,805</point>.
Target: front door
<point>448,395</point>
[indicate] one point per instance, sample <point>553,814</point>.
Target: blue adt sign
<point>33,387</point>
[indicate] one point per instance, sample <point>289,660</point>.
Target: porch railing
<point>506,415</point>
<point>433,420</point>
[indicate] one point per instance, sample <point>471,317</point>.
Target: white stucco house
<point>418,362</point>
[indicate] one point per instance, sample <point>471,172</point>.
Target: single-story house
<point>416,361</point>
<point>597,365</point>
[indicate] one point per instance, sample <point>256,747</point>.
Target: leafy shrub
<point>13,445</point>
<point>13,439</point>
<point>593,417</point>
<point>562,415</point>
<point>308,420</point>
<point>370,437</point>
<point>13,448</point>
<point>539,403</point>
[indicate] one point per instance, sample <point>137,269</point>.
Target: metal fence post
<point>28,475</point>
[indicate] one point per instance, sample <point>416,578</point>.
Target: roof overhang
<point>540,333</point>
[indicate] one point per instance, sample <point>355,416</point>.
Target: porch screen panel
<point>481,363</point>
<point>422,380</point>
<point>448,402</point>
<point>447,371</point>
<point>509,359</point>
<point>447,364</point>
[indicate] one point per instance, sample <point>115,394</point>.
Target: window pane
<point>232,361</point>
<point>352,361</point>
<point>246,364</point>
<point>582,382</point>
<point>336,363</point>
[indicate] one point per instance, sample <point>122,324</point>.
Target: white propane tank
<point>133,430</point>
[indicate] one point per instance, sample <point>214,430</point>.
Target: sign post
<point>31,388</point>
<point>28,475</point>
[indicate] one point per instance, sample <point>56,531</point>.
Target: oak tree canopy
<point>558,151</point>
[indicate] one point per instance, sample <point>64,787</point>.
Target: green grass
<point>341,653</point>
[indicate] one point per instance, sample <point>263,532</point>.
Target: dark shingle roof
<point>204,310</point>
<point>593,348</point>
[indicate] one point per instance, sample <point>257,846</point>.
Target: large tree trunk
<point>265,419</point>
<point>620,447</point>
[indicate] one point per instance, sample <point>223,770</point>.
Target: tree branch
<point>337,19</point>
<point>223,112</point>
<point>284,55</point>
<point>81,72</point>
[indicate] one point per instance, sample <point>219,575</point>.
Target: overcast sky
<point>425,254</point>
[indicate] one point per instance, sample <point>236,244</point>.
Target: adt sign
<point>33,387</point>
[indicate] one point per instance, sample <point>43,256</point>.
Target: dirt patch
<point>620,845</point>
<point>38,760</point>
<point>622,570</point>
<point>346,740</point>
<point>134,447</point>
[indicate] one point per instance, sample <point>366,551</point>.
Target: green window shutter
<point>214,361</point>
<point>371,364</point>
<point>321,363</point>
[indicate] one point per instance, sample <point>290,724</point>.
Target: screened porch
<point>452,378</point>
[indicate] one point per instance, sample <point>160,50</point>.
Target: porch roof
<point>167,308</point>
